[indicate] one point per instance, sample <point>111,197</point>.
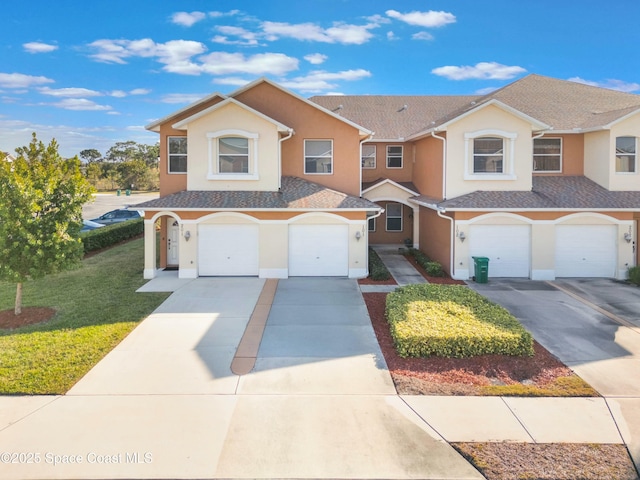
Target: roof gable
<point>182,125</point>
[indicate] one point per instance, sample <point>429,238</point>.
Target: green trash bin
<point>118,192</point>
<point>128,192</point>
<point>481,265</point>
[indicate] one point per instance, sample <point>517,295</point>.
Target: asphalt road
<point>105,202</point>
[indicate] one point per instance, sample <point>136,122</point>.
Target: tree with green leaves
<point>41,198</point>
<point>90,155</point>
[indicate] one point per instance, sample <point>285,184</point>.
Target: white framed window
<point>177,148</point>
<point>547,154</point>
<point>394,217</point>
<point>394,156</point>
<point>626,154</point>
<point>233,155</point>
<point>372,224</point>
<point>368,156</point>
<point>489,155</point>
<point>318,157</point>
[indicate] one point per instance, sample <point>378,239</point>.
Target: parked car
<point>90,225</point>
<point>117,216</point>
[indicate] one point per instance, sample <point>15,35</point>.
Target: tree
<point>41,198</point>
<point>122,151</point>
<point>90,155</point>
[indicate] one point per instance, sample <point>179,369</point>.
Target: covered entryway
<point>318,250</point>
<point>586,251</point>
<point>173,243</point>
<point>508,248</point>
<point>228,249</point>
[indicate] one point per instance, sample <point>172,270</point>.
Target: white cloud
<point>246,37</point>
<point>392,36</point>
<point>187,19</point>
<point>320,81</point>
<point>480,71</point>
<point>38,47</point>
<point>175,55</point>
<point>118,93</point>
<point>428,19</point>
<point>80,104</point>
<point>610,83</point>
<point>422,36</point>
<point>340,32</point>
<point>69,92</point>
<point>316,58</point>
<point>19,80</point>
<point>140,91</point>
<point>185,98</point>
<point>230,13</point>
<point>224,63</point>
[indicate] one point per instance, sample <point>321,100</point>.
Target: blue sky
<point>91,73</point>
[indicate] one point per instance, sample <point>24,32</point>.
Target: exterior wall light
<point>358,235</point>
<point>462,236</point>
<point>187,235</point>
<point>627,237</point>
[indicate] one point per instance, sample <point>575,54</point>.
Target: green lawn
<point>96,308</point>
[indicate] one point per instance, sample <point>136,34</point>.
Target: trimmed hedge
<point>452,321</point>
<point>377,269</point>
<point>634,275</point>
<point>432,268</point>
<point>111,234</point>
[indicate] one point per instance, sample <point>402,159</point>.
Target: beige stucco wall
<point>488,120</point>
<point>543,238</point>
<point>202,156</point>
<point>428,167</point>
<point>273,240</point>
<point>627,128</point>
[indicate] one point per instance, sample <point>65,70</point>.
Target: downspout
<point>291,132</point>
<point>368,137</point>
<point>452,242</point>
<point>444,164</point>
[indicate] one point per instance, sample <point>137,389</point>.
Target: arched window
<point>233,155</point>
<point>489,155</point>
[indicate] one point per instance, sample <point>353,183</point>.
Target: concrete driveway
<point>593,326</point>
<point>165,403</point>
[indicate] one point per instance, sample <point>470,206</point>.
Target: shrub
<point>452,321</point>
<point>377,269</point>
<point>634,275</point>
<point>111,234</point>
<point>432,267</point>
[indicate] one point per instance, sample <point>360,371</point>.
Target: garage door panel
<point>508,248</point>
<point>318,250</point>
<point>586,251</point>
<point>228,250</point>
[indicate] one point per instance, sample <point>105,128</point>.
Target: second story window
<point>318,156</point>
<point>233,155</point>
<point>177,154</point>
<point>626,150</point>
<point>368,156</point>
<point>394,156</point>
<point>547,154</point>
<point>488,155</point>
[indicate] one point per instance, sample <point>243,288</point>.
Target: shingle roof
<point>548,193</point>
<point>295,193</point>
<point>409,185</point>
<point>562,104</point>
<point>385,114</point>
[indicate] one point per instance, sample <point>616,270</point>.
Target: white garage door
<point>586,251</point>
<point>318,250</point>
<point>508,248</point>
<point>228,250</point>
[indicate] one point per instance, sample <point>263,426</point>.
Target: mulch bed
<point>29,316</point>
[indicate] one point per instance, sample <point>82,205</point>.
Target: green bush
<point>432,267</point>
<point>634,275</point>
<point>377,269</point>
<point>452,321</point>
<point>111,234</point>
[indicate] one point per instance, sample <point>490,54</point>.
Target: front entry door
<point>172,244</point>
